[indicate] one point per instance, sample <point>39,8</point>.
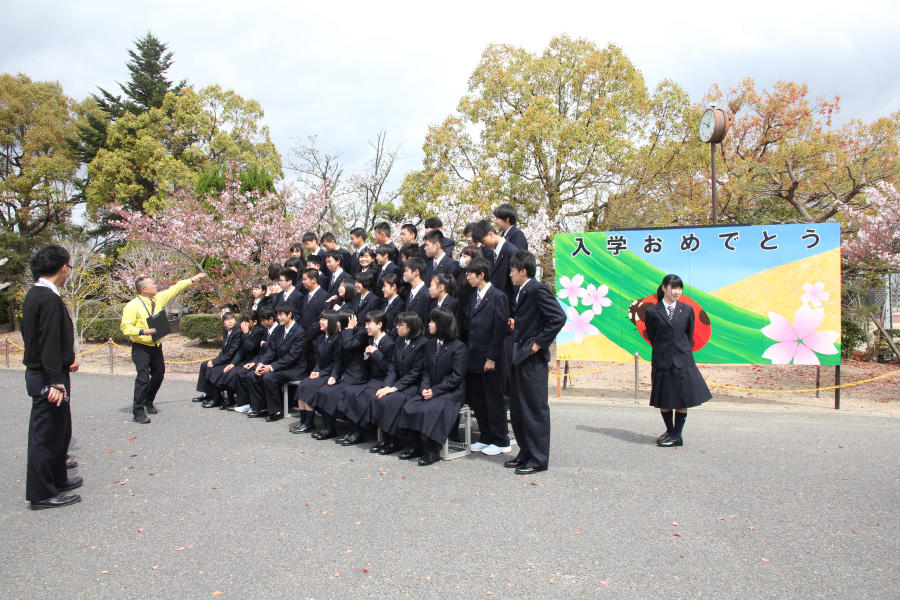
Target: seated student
<point>464,291</point>
<point>440,288</point>
<point>327,345</point>
<point>345,297</point>
<point>257,296</point>
<point>211,370</point>
<point>394,304</point>
<point>379,352</point>
<point>349,369</point>
<point>366,299</point>
<point>246,361</point>
<point>486,333</point>
<point>431,414</point>
<point>400,383</point>
<point>283,359</point>
<point>252,334</point>
<point>384,259</point>
<point>366,262</point>
<point>410,251</point>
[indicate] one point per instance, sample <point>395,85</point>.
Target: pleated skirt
<point>434,418</point>
<point>677,387</point>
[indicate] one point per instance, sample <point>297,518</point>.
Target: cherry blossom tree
<point>876,241</point>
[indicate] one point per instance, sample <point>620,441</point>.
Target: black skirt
<point>307,388</point>
<point>384,411</point>
<point>434,418</point>
<point>356,404</point>
<point>678,388</point>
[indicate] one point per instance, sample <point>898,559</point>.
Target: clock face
<point>707,124</point>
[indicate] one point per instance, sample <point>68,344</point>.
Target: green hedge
<point>206,328</point>
<point>103,328</point>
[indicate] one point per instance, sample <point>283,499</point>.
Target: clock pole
<point>715,207</point>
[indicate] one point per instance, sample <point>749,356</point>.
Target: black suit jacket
<point>230,347</point>
<point>379,275</point>
<point>380,360</point>
<point>420,305</point>
<point>312,310</point>
<point>391,311</point>
<point>334,283</point>
<point>327,351</point>
<point>673,340</point>
<point>365,305</point>
<point>447,266</point>
<point>486,330</point>
<point>538,320</point>
<point>346,260</point>
<point>297,299</point>
<point>284,352</point>
<point>409,360</point>
<point>355,267</point>
<point>450,304</point>
<point>500,269</point>
<point>48,334</point>
<point>350,367</point>
<point>250,346</point>
<point>516,237</point>
<point>445,370</point>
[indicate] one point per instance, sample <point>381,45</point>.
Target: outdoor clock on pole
<point>714,125</point>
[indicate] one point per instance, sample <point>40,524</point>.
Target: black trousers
<point>151,368</point>
<point>529,410</point>
<point>49,433</point>
<point>484,393</point>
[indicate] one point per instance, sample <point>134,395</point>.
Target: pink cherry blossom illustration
<point>571,288</point>
<point>580,324</point>
<point>595,297</point>
<point>798,342</point>
<point>815,293</point>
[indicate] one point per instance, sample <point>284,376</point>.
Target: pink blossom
<point>571,288</point>
<point>580,324</point>
<point>595,297</point>
<point>799,342</point>
<point>815,293</point>
<point>877,240</point>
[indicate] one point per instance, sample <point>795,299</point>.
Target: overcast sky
<point>344,70</point>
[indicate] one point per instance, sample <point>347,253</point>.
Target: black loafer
<point>56,501</point>
<point>211,404</point>
<point>325,435</point>
<point>388,449</point>
<point>71,464</point>
<point>529,469</point>
<point>275,416</point>
<point>670,442</point>
<point>662,438</point>
<point>429,459</point>
<point>198,399</point>
<point>142,419</point>
<point>351,441</point>
<point>514,463</point>
<point>151,409</point>
<point>410,454</point>
<point>374,449</point>
<point>72,484</point>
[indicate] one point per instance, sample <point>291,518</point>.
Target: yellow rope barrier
<point>12,343</point>
<point>590,370</point>
<point>830,387</point>
<point>106,343</point>
<point>174,362</point>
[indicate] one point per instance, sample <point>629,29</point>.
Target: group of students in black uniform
<point>397,340</point>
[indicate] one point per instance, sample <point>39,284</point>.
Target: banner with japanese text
<point>767,294</point>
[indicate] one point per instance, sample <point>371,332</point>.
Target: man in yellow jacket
<point>145,352</point>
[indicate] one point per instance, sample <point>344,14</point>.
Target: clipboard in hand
<point>159,322</point>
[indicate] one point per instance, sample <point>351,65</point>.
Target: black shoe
<point>71,464</point>
<point>72,484</point>
<point>211,403</point>
<point>527,469</point>
<point>325,435</point>
<point>374,449</point>
<point>223,406</point>
<point>662,438</point>
<point>301,428</point>
<point>151,409</point>
<point>56,501</point>
<point>142,419</point>
<point>253,414</point>
<point>352,441</point>
<point>275,416</point>
<point>389,449</point>
<point>429,459</point>
<point>514,463</point>
<point>230,407</point>
<point>410,454</point>
<point>199,399</point>
<point>671,441</point>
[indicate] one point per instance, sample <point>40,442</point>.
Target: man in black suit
<point>537,319</point>
<point>505,219</point>
<point>49,358</point>
<point>418,300</point>
<point>485,329</point>
<point>329,242</point>
<point>283,359</point>
<point>311,244</point>
<point>498,251</point>
<point>358,241</point>
<point>336,274</point>
<point>438,260</point>
<point>316,298</point>
<point>382,235</point>
<point>435,224</point>
<point>212,369</point>
<point>384,259</point>
<point>287,280</point>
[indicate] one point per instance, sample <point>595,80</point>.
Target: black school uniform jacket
<point>333,283</point>
<point>420,304</point>
<point>231,344</point>
<point>673,340</point>
<point>380,360</point>
<point>409,361</point>
<point>350,368</point>
<point>391,311</point>
<point>379,276</point>
<point>445,369</point>
<point>486,330</point>
<point>327,351</point>
<point>285,351</point>
<point>312,310</point>
<point>516,237</point>
<point>447,266</point>
<point>450,304</point>
<point>48,334</point>
<point>538,318</point>
<point>365,305</point>
<point>296,299</point>
<point>500,269</point>
<point>250,346</point>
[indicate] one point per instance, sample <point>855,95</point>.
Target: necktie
<point>309,297</point>
<point>671,310</point>
<point>477,302</point>
<point>493,256</point>
<point>440,345</point>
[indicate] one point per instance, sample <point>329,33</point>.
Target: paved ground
<point>206,503</point>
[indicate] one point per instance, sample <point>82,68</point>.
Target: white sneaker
<point>494,450</point>
<point>478,447</point>
<point>242,409</point>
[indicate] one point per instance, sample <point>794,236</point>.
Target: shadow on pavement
<point>620,434</point>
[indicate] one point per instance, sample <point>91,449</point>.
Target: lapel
<point>664,314</point>
<point>480,304</point>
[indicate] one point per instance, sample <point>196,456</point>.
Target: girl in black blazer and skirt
<point>327,348</point>
<point>401,382</point>
<point>349,369</point>
<point>677,382</point>
<point>432,412</point>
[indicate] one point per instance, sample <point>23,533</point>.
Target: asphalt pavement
<point>205,503</point>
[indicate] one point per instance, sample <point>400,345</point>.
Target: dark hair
<point>284,307</point>
<point>290,275</point>
<point>334,254</point>
<point>433,222</point>
<point>365,279</point>
<point>473,251</point>
<point>523,260</point>
<point>310,236</point>
<point>227,315</point>
<point>328,237</point>
<point>444,280</point>
<point>387,249</point>
<point>413,321</point>
<point>258,284</point>
<point>506,212</point>
<point>265,313</point>
<point>230,307</point>
<point>384,228</point>
<point>358,232</point>
<point>344,315</point>
<point>349,288</point>
<point>296,246</point>
<point>311,274</point>
<point>333,319</point>
<point>468,229</point>
<point>669,280</point>
<point>481,229</point>
<point>138,283</point>
<point>370,252</point>
<point>444,324</point>
<point>416,264</point>
<point>435,237</point>
<point>316,259</point>
<point>411,251</point>
<point>392,279</point>
<point>250,315</point>
<point>410,228</point>
<point>294,262</point>
<point>479,265</point>
<point>274,270</point>
<point>377,316</point>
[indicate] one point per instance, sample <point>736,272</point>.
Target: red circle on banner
<point>702,328</point>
